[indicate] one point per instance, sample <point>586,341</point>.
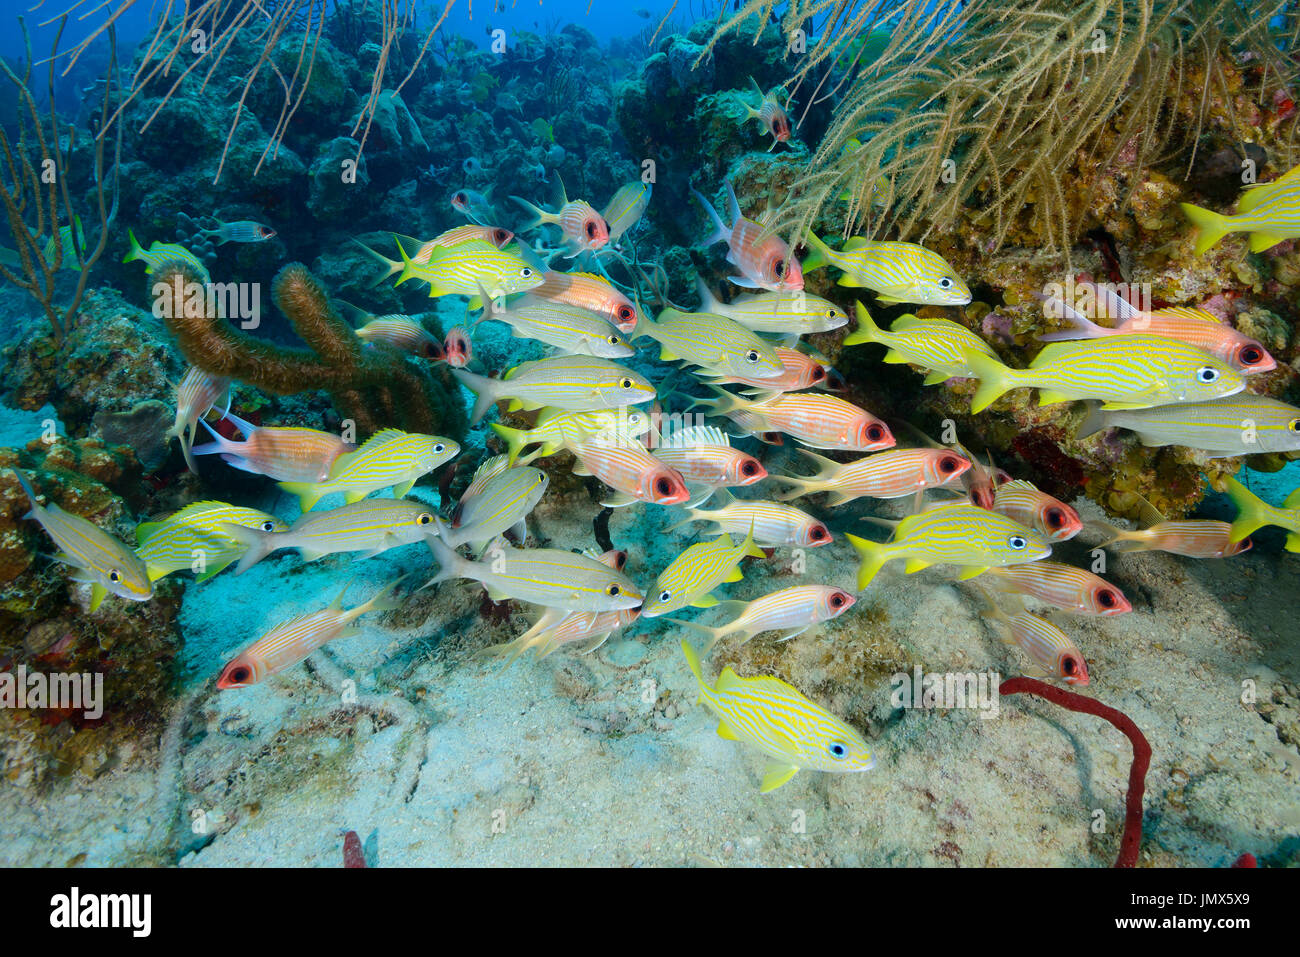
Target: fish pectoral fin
<point>704,601</point>
<point>794,634</point>
<point>971,571</point>
<point>496,594</point>
<point>724,731</point>
<point>400,491</point>
<point>97,594</point>
<point>212,569</point>
<point>915,565</point>
<point>619,499</point>
<point>311,555</point>
<point>853,282</point>
<point>776,774</point>
<point>1262,240</point>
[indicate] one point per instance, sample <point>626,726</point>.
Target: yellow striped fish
<point>891,474</point>
<point>773,717</point>
<point>791,611</point>
<point>716,343</point>
<point>800,371</point>
<point>820,421</point>
<point>98,559</point>
<point>698,570</point>
<point>196,394</point>
<point>1270,212</point>
<point>1023,502</point>
<point>939,345</point>
<point>556,429</point>
<point>550,577</point>
<point>1052,652</point>
<point>1241,424</point>
<point>571,329</point>
<point>291,641</point>
<point>388,459</point>
<point>463,269</point>
<point>1193,538</point>
<point>158,253</point>
<point>425,251</point>
<point>958,534</point>
<point>588,291</point>
<point>572,383</point>
<point>773,524</point>
<point>787,313</point>
<point>194,538</point>
<point>896,272</point>
<point>1254,513</point>
<point>1061,586</point>
<point>1127,372</point>
<point>500,498</point>
<point>371,526</point>
<point>626,208</point>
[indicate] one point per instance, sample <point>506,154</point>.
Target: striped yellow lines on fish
<point>550,577</point>
<point>1052,652</point>
<point>372,525</point>
<point>1269,212</point>
<point>571,383</point>
<point>703,456</point>
<point>891,474</point>
<point>633,473</point>
<point>896,272</point>
<point>785,313</point>
<point>799,371</point>
<point>426,250</point>
<point>97,558</point>
<point>957,534</point>
<point>1126,372</point>
<point>196,394</point>
<point>1196,327</point>
<point>1241,424</point>
<point>816,420</point>
<point>462,269</point>
<point>1061,586</point>
<point>499,499</point>
<point>720,345</point>
<point>626,208</point>
<point>571,329</point>
<point>692,575</point>
<point>1254,513</point>
<point>404,333</point>
<point>282,453</point>
<point>158,253</point>
<point>939,345</point>
<point>1193,538</point>
<point>791,611</point>
<point>794,732</point>
<point>194,538</point>
<point>773,524</point>
<point>291,641</point>
<point>556,429</point>
<point>391,458</point>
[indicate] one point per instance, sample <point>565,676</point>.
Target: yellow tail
<point>873,557</point>
<point>1210,226</point>
<point>995,379</point>
<point>1252,511</point>
<point>867,330</point>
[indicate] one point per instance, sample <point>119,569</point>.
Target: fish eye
<point>239,675</point>
<point>837,600</point>
<point>1106,598</point>
<point>591,229</point>
<point>1294,425</point>
<point>625,313</point>
<point>945,283</point>
<point>947,464</point>
<point>113,576</point>
<point>1017,542</point>
<point>1207,374</point>
<point>818,533</point>
<point>1252,354</point>
<point>665,595</point>
<point>778,269</point>
<point>425,518</point>
<point>440,447</point>
<point>612,340</point>
<point>613,590</point>
<point>875,433</point>
<point>663,486</point>
<point>751,355</point>
<point>460,198</point>
<point>819,373</point>
<point>837,750</point>
<point>830,313</point>
<point>500,236</point>
<point>1055,517</point>
<point>1068,666</point>
<point>526,273</point>
<point>268,526</point>
<point>625,383</point>
<point>749,468</point>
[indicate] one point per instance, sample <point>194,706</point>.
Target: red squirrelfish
<point>705,459</point>
<point>816,420</point>
<point>243,231</point>
<point>770,114</point>
<point>1021,501</point>
<point>458,348</point>
<point>891,474</point>
<point>802,371</point>
<point>634,474</point>
<point>583,228</point>
<point>791,611</point>
<point>590,292</point>
<point>1062,586</point>
<point>197,393</point>
<point>1051,650</point>
<point>283,454</point>
<point>764,263</point>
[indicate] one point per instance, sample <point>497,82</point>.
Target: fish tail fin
<point>391,266</point>
<point>383,599</point>
<point>1112,535</point>
<point>450,564</point>
<point>733,204</point>
<point>1252,511</point>
<point>31,495</point>
<point>258,544</point>
<point>819,257</point>
<point>540,215</point>
<point>799,485</point>
<point>1093,422</point>
<point>720,232</point>
<point>872,555</point>
<point>1210,226</point>
<point>713,634</point>
<point>219,442</point>
<point>485,390</point>
<point>995,379</point>
<point>867,330</point>
<point>722,402</point>
<point>309,493</point>
<point>515,439</point>
<point>135,252</point>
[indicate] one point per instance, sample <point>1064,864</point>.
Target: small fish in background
<point>588,291</point>
<point>633,473</point>
<point>1052,652</point>
<point>1193,538</point>
<point>239,231</point>
<point>719,345</point>
<point>97,558</point>
<point>70,239</point>
<point>895,272</point>
<point>791,611</point>
<point>583,229</point>
<point>892,474</point>
<point>371,526</point>
<point>957,534</point>
<point>457,347</point>
<point>157,253</point>
<point>550,577</point>
<point>404,333</point>
<point>940,345</point>
<point>1023,502</point>
<point>1269,212</point>
<point>793,732</point>
<point>291,641</point>
<point>390,458</point>
<point>281,453</point>
<point>473,205</point>
<point>194,538</point>
<point>626,208</point>
<point>196,394</point>
<point>1126,372</point>
<point>557,429</point>
<point>816,420</point>
<point>1196,327</point>
<point>765,262</point>
<point>772,524</point>
<point>770,114</point>
<point>1061,586</point>
<point>791,314</point>
<point>1254,513</point>
<point>570,329</point>
<point>499,499</point>
<point>704,458</point>
<point>981,482</point>
<point>700,568</point>
<point>1214,427</point>
<point>572,383</point>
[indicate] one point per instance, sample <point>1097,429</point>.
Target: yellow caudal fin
<point>391,266</point>
<point>867,330</point>
<point>135,252</point>
<point>1252,511</point>
<point>995,379</point>
<point>873,557</point>
<point>748,547</point>
<point>820,256</point>
<point>515,439</point>
<point>1210,226</point>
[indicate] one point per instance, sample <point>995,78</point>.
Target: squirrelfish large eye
<point>1252,355</point>
<point>948,464</point>
<point>500,237</point>
<point>1106,598</point>
<point>778,268</point>
<point>875,433</point>
<point>837,600</point>
<point>591,229</point>
<point>1068,667</point>
<point>818,373</point>
<point>1017,542</point>
<point>663,486</point>
<point>239,675</point>
<point>1055,518</point>
<point>818,533</point>
<point>625,313</point>
<point>1207,374</point>
<point>749,468</point>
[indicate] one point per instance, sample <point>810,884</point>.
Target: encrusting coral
<point>373,384</point>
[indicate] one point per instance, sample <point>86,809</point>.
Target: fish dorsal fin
<point>1113,305</point>
<point>337,603</point>
<point>728,680</point>
<point>588,275</point>
<point>1189,312</point>
<point>490,467</point>
<point>1020,484</point>
<point>696,436</point>
<point>1148,514</point>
